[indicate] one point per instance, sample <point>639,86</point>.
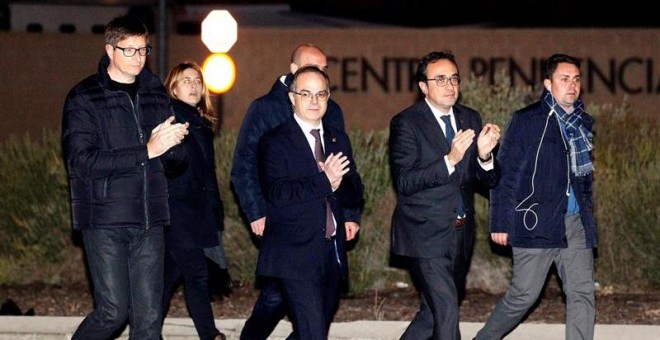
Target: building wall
<point>371,69</point>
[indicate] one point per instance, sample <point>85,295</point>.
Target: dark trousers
<point>268,310</point>
<point>313,300</point>
<point>464,248</point>
<point>437,317</point>
<point>190,265</point>
<point>126,269</point>
<point>311,303</point>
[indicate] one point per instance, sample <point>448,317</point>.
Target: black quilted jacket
<point>104,137</point>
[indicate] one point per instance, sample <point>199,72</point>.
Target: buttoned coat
<point>296,191</point>
<point>424,219</point>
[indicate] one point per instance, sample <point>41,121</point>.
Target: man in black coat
<point>118,141</point>
<point>436,160</point>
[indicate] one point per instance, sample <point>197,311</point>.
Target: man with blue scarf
<point>543,205</point>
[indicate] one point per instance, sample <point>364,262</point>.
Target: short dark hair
<point>422,74</point>
<point>123,27</point>
<point>555,59</point>
<point>308,69</point>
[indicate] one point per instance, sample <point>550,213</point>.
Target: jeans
<point>126,269</point>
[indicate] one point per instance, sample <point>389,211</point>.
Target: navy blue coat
<point>264,114</point>
<point>104,139</point>
<point>196,210</point>
<point>517,155</point>
<point>295,191</point>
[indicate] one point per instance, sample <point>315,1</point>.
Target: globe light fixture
<point>219,72</point>
<point>219,31</point>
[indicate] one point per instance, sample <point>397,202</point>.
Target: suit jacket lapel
<point>329,141</point>
<point>299,141</point>
<point>459,115</point>
<point>431,128</point>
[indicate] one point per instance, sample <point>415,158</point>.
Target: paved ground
<point>59,328</point>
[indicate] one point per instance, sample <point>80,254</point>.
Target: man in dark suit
<point>264,114</point>
<point>436,160</point>
<point>303,249</point>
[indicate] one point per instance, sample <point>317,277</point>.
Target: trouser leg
<point>464,244</point>
<point>171,282</point>
<point>530,268</point>
<point>268,310</point>
<point>145,263</point>
<point>106,251</point>
<point>575,266</point>
<point>331,283</point>
<point>192,263</point>
<point>305,303</point>
<point>438,314</point>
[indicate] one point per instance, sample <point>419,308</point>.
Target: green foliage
<point>626,197</point>
<point>34,209</point>
<point>35,231</point>
<point>496,102</point>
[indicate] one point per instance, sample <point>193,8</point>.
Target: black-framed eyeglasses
<point>444,80</point>
<point>130,51</point>
<point>306,96</point>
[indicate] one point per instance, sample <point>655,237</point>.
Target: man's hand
<point>352,229</point>
<point>488,138</point>
<point>500,238</point>
<point>164,136</point>
<point>258,226</point>
<point>335,167</point>
<point>461,142</point>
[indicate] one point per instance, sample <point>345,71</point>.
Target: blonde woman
<point>196,210</point>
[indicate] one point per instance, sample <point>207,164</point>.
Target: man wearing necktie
<point>306,189</point>
<point>437,159</point>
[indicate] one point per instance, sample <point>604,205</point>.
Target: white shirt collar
<point>307,128</point>
<point>437,114</point>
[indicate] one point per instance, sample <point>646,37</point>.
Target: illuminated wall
<point>371,69</point>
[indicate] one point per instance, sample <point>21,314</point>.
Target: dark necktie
<point>319,155</point>
<point>449,131</point>
<point>449,135</point>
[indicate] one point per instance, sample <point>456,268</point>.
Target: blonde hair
<point>205,106</point>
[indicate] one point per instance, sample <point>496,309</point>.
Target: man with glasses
<point>303,248</point>
<point>437,159</point>
<point>118,139</point>
<point>264,114</point>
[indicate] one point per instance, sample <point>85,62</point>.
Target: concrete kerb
<point>60,328</point>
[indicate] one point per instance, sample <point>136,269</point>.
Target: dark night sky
<point>438,13</point>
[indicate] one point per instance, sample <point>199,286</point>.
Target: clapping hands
<point>166,135</point>
<point>335,167</point>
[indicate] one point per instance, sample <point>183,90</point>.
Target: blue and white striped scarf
<point>580,140</point>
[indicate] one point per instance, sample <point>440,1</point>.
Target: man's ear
<point>547,84</point>
<point>293,67</point>
<point>424,87</point>
<point>108,50</point>
<point>292,98</point>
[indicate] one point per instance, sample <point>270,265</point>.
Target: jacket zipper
<point>136,115</point>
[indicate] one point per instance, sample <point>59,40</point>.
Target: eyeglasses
<point>130,51</point>
<point>443,80</point>
<point>307,96</point>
